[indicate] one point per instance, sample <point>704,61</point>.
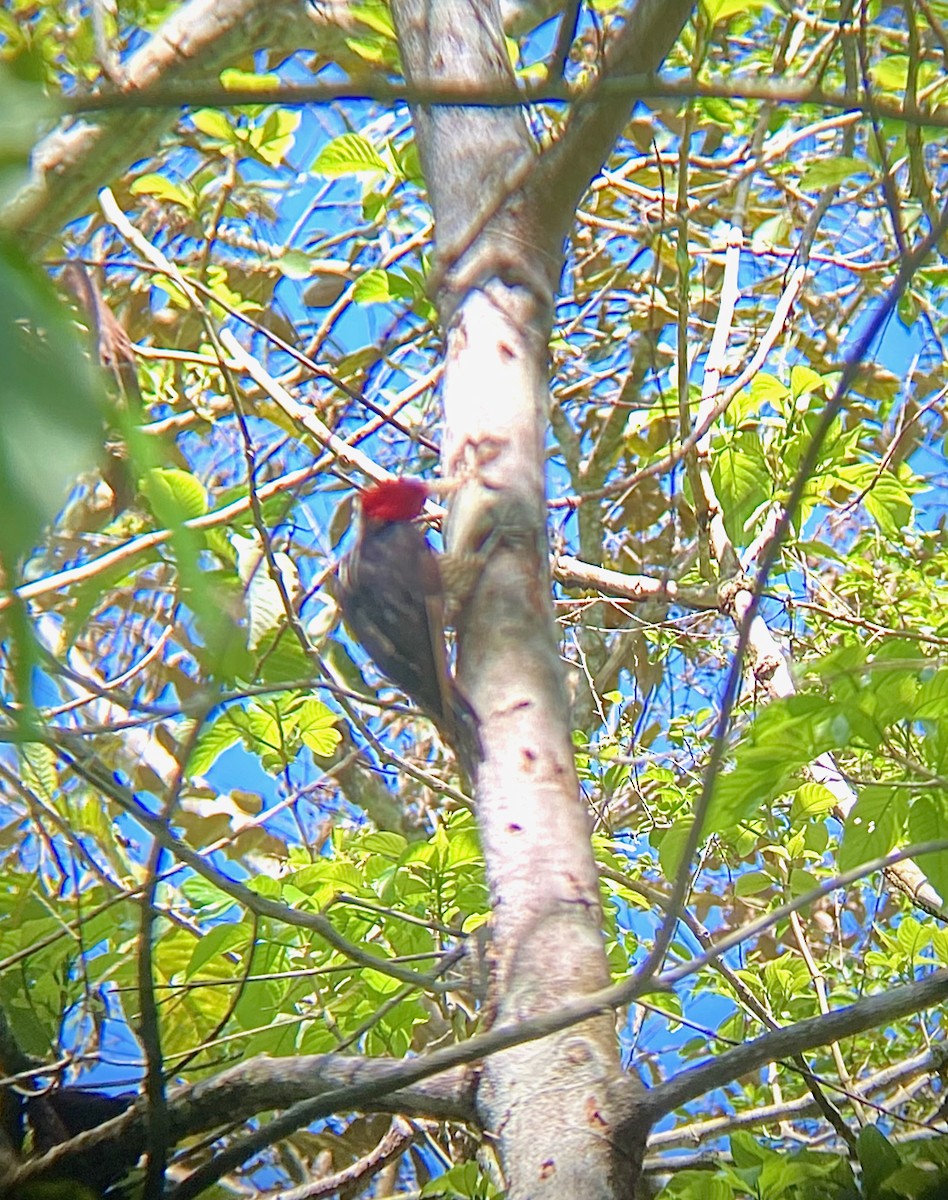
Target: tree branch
<point>242,1091</point>
<point>73,161</point>
<point>870,1013</point>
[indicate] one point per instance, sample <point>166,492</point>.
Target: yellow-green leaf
<point>348,155</point>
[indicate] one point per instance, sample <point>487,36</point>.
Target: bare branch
<point>870,1013</point>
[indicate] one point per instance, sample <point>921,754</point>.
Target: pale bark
<point>563,1115</point>
<point>81,155</point>
<point>258,1085</point>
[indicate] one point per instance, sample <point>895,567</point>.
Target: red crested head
<point>394,500</point>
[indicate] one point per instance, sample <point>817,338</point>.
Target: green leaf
<point>909,307</point>
<point>213,740</point>
<point>464,849</point>
<point>747,1152</point>
<point>275,138</point>
<point>375,207</point>
<point>241,81</point>
<point>317,726</point>
<point>391,845</point>
<point>671,847</point>
<point>810,802</point>
<point>52,406</point>
<point>295,264</point>
<point>374,15</point>
<point>38,769</point>
<point>720,11</point>
<point>877,1157</point>
<point>806,1173</point>
<point>348,155</point>
<point>931,701</point>
<point>263,885</point>
<point>804,382</point>
<point>205,896</point>
<point>786,735</point>
<point>214,123</point>
<point>928,822</point>
<point>162,188</point>
<point>891,72</point>
<point>742,480</point>
<point>872,826</point>
<point>380,982</point>
<point>912,940</point>
<point>408,162</point>
<point>752,883</point>
<point>667,1003</point>
<point>217,940</point>
<point>175,496</point>
<point>832,171</point>
<point>886,499</point>
<point>768,389</point>
<point>382,287</point>
<point>285,660</point>
<point>802,882</point>
<point>370,50</point>
<point>464,1181</point>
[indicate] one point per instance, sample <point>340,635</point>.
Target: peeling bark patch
<point>547,1169</point>
<point>507,353</point>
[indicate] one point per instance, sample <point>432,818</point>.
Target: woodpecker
<point>392,598</point>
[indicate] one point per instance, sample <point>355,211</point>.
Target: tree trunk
<point>557,1107</point>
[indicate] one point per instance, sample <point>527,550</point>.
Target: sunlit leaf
<point>162,188</point>
<point>829,172</point>
<point>214,739</point>
<point>349,154</point>
<point>174,495</point>
<point>213,122</point>
<point>242,81</point>
<point>317,726</point>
